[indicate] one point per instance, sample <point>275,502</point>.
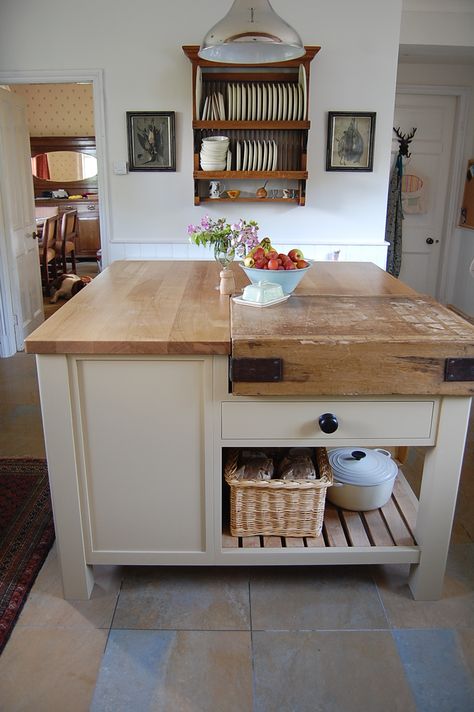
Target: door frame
<point>60,76</point>
<point>448,257</point>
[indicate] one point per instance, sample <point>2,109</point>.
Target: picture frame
<point>350,141</point>
<point>151,140</point>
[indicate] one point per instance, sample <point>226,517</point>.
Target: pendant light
<point>251,33</point>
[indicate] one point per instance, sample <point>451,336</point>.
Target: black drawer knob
<point>328,423</point>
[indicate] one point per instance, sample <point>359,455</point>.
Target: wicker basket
<point>277,507</point>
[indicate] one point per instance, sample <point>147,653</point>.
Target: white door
<point>424,224</point>
<point>20,268</point>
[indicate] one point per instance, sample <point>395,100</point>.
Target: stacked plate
<point>213,109</point>
<point>214,153</point>
<point>256,156</point>
<point>285,101</point>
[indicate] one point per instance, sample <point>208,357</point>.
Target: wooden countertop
<point>160,307</point>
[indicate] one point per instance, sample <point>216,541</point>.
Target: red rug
<point>26,534</point>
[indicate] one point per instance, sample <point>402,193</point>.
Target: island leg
<point>441,472</point>
<point>56,408</point>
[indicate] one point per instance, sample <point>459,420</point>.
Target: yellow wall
<point>58,109</point>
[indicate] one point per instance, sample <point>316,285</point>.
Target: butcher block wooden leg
<point>56,407</point>
<point>441,472</point>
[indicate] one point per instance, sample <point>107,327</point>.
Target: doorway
<point>61,77</point>
<point>431,183</point>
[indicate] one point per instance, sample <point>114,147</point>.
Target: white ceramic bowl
<point>289,279</point>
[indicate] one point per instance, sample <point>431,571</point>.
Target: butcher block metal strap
<point>459,369</point>
<point>256,370</point>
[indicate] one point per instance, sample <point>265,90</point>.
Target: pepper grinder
<point>227,283</point>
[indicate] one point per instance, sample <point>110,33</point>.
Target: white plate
<point>243,91</point>
<point>264,101</point>
<point>198,92</point>
<point>259,102</point>
<point>284,88</point>
<point>246,303</point>
<point>264,156</point>
<point>295,101</point>
<point>234,102</point>
<point>270,102</point>
<point>275,156</point>
<point>238,157</point>
<point>289,90</point>
<point>254,102</point>
<point>221,106</point>
<point>238,103</point>
<point>229,161</point>
<point>229,101</point>
<point>270,155</point>
<point>246,156</point>
<point>302,83</point>
<point>205,109</point>
<point>274,102</point>
<point>280,103</point>
<point>250,157</point>
<point>259,156</point>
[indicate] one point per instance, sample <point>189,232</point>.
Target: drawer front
<point>363,420</point>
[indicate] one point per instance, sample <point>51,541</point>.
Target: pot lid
<point>362,466</point>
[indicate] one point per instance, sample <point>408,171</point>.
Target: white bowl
<point>216,139</point>
<point>289,279</point>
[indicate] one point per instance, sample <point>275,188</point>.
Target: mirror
<point>69,161</point>
<point>64,166</point>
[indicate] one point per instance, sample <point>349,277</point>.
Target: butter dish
<point>246,303</point>
<point>262,292</point>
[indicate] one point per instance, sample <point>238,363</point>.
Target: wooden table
<point>138,413</point>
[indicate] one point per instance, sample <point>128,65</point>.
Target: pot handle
<point>383,452</point>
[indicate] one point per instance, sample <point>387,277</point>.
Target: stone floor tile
<point>434,665</point>
<point>466,643</point>
<point>315,598</point>
<point>46,606</point>
<point>454,610</point>
<point>50,669</point>
<point>186,598</point>
<point>337,671</point>
<point>181,671</point>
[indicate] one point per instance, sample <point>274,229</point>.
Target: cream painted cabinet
<point>141,443</point>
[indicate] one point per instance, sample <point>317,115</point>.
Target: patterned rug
<point>26,534</point>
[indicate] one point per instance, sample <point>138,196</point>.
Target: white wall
<point>139,47</point>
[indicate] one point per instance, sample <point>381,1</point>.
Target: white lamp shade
<point>251,33</point>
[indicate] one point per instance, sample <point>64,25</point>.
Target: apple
<point>301,264</point>
<point>249,262</point>
<point>273,264</point>
<point>258,254</point>
<point>295,254</point>
<point>290,265</point>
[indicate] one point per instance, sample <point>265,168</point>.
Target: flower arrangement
<point>227,239</point>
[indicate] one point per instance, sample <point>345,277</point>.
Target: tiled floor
<point>289,639</point>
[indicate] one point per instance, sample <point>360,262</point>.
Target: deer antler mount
<point>404,141</point>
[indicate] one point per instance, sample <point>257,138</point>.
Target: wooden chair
<point>47,251</point>
<point>65,246</point>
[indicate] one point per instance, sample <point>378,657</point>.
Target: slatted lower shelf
<point>390,526</point>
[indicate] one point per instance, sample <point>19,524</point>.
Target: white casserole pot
<point>363,478</point>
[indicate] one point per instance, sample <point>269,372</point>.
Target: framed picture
<point>151,140</point>
<point>350,144</point>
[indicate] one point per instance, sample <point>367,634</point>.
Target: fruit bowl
<point>288,279</point>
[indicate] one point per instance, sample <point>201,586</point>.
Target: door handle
<point>34,235</point>
<point>429,241</point>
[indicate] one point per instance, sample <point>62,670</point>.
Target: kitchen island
<point>149,376</point>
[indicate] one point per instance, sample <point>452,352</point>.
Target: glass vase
<point>224,255</point>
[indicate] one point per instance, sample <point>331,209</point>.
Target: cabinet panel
<point>385,420</point>
<point>143,444</point>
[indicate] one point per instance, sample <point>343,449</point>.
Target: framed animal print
<point>151,140</point>
<point>350,143</point>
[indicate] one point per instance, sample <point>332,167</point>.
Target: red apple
<point>301,264</point>
<point>290,265</point>
<point>295,254</point>
<point>273,264</point>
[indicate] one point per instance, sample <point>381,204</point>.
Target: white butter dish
<point>246,303</point>
<point>262,292</point>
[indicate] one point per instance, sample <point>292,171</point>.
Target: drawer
<point>364,420</point>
